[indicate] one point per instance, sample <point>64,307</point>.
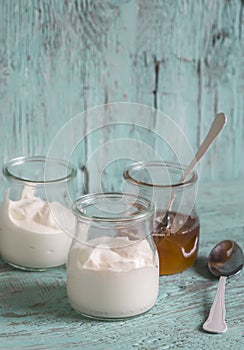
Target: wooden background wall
<point>61,57</point>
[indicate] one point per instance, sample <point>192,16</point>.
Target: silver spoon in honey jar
<point>217,125</point>
<point>225,259</point>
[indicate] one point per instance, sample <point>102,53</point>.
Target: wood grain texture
<point>35,312</point>
<point>59,58</point>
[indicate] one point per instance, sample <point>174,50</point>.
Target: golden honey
<point>177,247</point>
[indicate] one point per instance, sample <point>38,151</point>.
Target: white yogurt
<point>29,234</point>
<point>108,282</point>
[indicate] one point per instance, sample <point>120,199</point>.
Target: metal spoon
<point>216,127</point>
<point>225,259</point>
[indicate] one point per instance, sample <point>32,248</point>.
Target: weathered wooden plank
<point>58,58</point>
<point>197,47</point>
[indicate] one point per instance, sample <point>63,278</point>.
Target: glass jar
<point>36,220</point>
<point>112,267</point>
<point>177,242</point>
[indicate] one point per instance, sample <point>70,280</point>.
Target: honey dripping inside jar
<point>177,245</point>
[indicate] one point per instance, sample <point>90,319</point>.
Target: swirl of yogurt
<point>30,231</point>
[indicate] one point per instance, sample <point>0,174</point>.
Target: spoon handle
<point>216,319</point>
<point>216,127</point>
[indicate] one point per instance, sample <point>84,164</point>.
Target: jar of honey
<point>177,238</point>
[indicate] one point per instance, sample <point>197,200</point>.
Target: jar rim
<point>17,161</point>
<point>89,199</point>
<point>138,166</point>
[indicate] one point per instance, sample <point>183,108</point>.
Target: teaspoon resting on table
<point>225,259</point>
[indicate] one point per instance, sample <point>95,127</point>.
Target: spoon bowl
<point>225,259</point>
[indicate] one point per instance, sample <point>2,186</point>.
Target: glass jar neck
<point>112,208</point>
<point>159,175</point>
<point>159,181</point>
<point>37,170</point>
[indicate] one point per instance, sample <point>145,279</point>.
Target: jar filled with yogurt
<point>112,267</point>
<point>36,220</point>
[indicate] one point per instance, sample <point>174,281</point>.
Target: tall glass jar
<point>112,268</point>
<point>177,239</point>
<point>36,220</point>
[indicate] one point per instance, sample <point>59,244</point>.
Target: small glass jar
<point>36,220</point>
<point>112,267</point>
<point>178,241</point>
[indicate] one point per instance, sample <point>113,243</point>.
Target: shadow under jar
<point>36,221</point>
<point>177,244</point>
<point>112,268</point>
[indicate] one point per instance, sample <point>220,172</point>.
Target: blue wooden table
<point>35,312</point>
